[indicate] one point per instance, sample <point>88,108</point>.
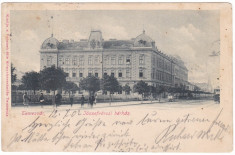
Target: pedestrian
<point>58,98</point>
<point>71,100</point>
<point>41,100</point>
<point>82,101</point>
<point>25,99</point>
<point>93,99</point>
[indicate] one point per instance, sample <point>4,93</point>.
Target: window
<point>98,44</point>
<point>67,72</point>
<point>112,73</point>
<point>128,59</point>
<point>120,60</point>
<point>89,60</point>
<point>120,74</point>
<point>61,61</point>
<point>67,61</point>
<point>141,74</point>
<point>74,72</point>
<point>89,73</point>
<point>106,60</point>
<point>81,60</point>
<point>105,74</point>
<point>162,64</point>
<point>48,61</point>
<point>80,75</point>
<point>157,75</point>
<point>96,62</point>
<point>113,60</point>
<point>96,74</point>
<point>141,59</point>
<point>153,73</point>
<point>153,61</point>
<point>75,61</point>
<point>128,75</point>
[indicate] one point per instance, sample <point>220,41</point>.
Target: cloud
<point>114,32</point>
<point>193,46</point>
<point>26,47</point>
<point>181,34</point>
<point>175,33</point>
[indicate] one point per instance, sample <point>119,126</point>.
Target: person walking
<point>82,101</point>
<point>71,100</point>
<point>93,100</point>
<point>58,98</point>
<point>41,100</point>
<point>25,99</point>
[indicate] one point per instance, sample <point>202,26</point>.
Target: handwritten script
<point>149,132</point>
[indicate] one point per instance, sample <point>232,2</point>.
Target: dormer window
<point>142,42</point>
<point>50,43</point>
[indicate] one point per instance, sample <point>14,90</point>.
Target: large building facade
<point>129,61</point>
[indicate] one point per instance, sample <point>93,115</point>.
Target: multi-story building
<point>129,61</point>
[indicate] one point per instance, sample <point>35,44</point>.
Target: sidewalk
<point>100,105</point>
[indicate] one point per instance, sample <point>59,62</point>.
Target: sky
<point>193,35</point>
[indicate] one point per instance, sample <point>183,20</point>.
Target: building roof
<point>50,43</point>
<point>118,44</point>
<point>96,41</point>
<point>73,46</point>
<point>143,40</point>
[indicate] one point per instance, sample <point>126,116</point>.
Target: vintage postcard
<point>117,77</point>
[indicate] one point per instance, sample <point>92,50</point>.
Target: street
<point>163,105</point>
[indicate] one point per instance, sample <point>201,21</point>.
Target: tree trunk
<point>34,95</point>
<point>110,96</point>
<point>142,98</point>
<point>53,99</point>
